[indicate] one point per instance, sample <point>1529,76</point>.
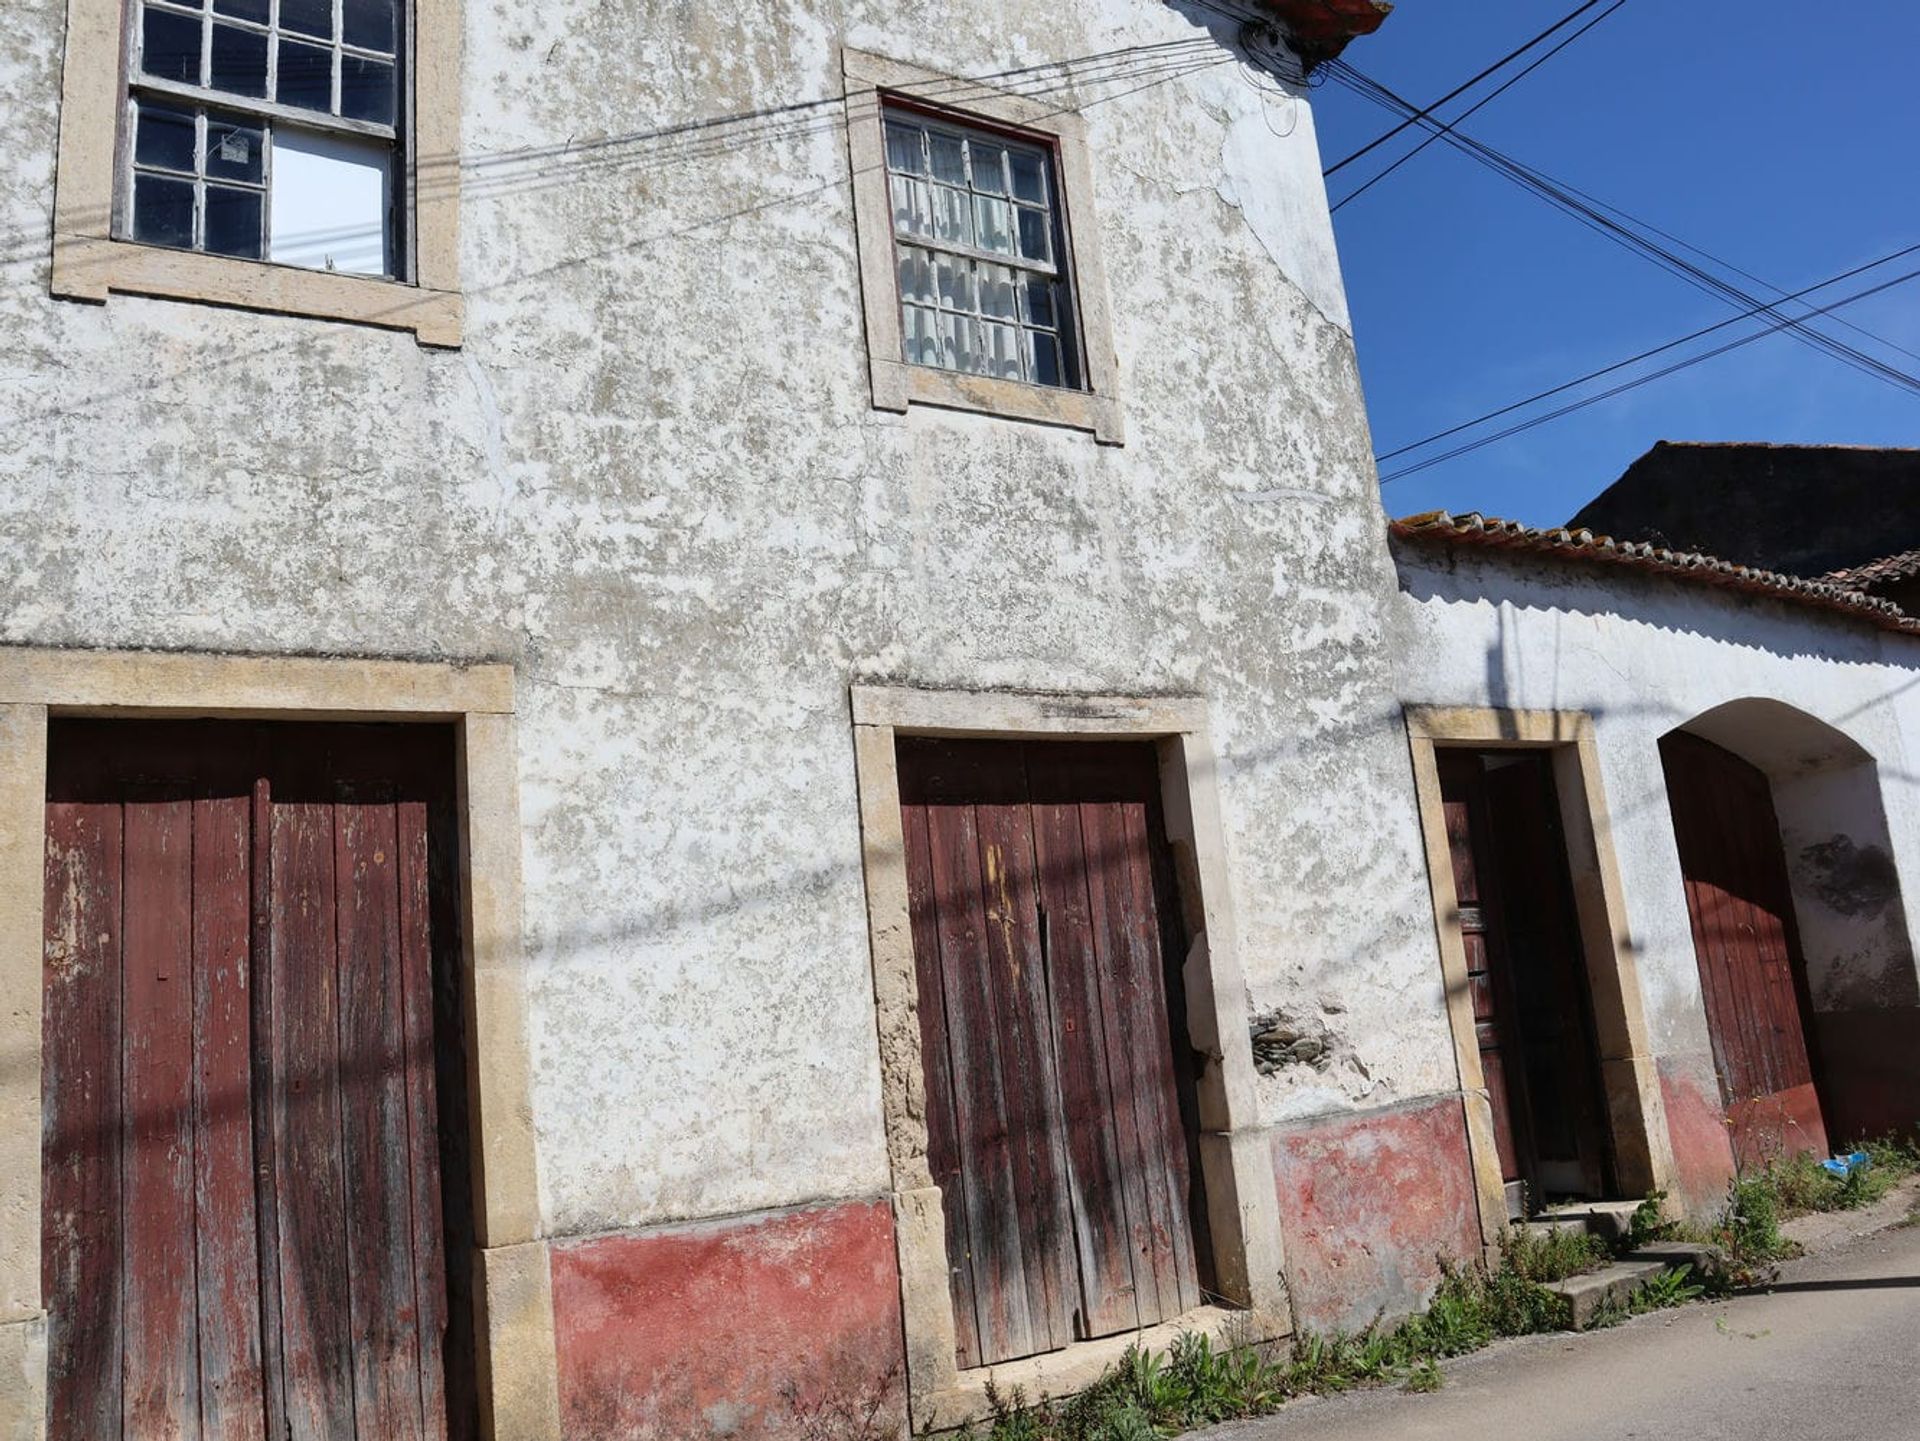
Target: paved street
<point>1833,1352</point>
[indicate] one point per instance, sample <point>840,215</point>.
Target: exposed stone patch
<point>1853,880</point>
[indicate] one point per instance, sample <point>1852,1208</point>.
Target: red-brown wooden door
<point>1042,924</point>
<point>247,937</point>
<point>1747,946</point>
<point>1526,970</point>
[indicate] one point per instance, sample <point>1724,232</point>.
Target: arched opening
<point>1800,931</point>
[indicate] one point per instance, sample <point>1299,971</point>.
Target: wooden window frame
<point>872,82</point>
<point>91,264</point>
<point>1236,1158</point>
<point>1636,1112</point>
<point>513,1295</point>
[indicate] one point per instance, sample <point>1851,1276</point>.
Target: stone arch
<point>1861,992</point>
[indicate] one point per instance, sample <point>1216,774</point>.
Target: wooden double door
<point>251,949</point>
<point>1059,1124</point>
<point>1747,947</point>
<point>1527,972</point>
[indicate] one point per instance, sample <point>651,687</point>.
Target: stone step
<point>1614,1284</point>
<point>1610,1219</point>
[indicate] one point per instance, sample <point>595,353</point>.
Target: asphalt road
<point>1833,1351</point>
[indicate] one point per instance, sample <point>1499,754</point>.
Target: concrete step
<point>1614,1284</point>
<point>1610,1219</point>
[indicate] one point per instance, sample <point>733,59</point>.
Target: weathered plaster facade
<point>1827,706</point>
<point>652,481</point>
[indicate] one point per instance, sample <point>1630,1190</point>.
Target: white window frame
<point>93,261</point>
<point>871,81</point>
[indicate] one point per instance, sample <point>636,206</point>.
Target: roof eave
<point>1321,29</point>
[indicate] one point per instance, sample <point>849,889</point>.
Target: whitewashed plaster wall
<point>653,481</point>
<point>1645,656</point>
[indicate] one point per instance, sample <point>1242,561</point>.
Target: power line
<point>1483,103</point>
<point>1459,90</point>
<point>1635,384</point>
<point>1563,198</point>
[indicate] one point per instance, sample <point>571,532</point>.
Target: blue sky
<point>1780,137</point>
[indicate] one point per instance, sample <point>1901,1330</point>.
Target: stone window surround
<point>1236,1162</point>
<point>897,386</point>
<point>90,264</point>
<point>1636,1112</point>
<point>514,1330</point>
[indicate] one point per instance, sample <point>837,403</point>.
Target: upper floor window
<point>982,261</point>
<point>267,130</point>
<point>980,277</point>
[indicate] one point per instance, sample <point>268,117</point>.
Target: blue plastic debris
<point>1841,1167</point>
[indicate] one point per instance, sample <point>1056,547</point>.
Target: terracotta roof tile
<point>1903,566</point>
<point>1688,566</point>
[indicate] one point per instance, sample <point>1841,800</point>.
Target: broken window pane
<point>170,46</point>
<point>330,201</point>
<point>236,150</point>
<point>233,221</point>
<point>306,76</point>
<point>163,210</point>
<point>366,89</point>
<point>164,137</point>
<point>239,61</point>
<point>370,24</point>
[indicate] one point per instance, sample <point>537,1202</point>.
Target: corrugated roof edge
<point>1583,545</point>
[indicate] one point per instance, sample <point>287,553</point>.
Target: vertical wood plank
<point>943,1137</point>
<point>268,1096</point>
<point>376,1116</point>
<point>161,1374</point>
<point>310,1185</point>
<point>1104,1184</point>
<point>1137,973</point>
<point>81,1198</point>
<point>227,1260</point>
<point>1015,960</point>
<point>996,1246</point>
<point>423,1139</point>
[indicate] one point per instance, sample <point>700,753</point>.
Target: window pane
<point>330,202</point>
<point>1036,302</point>
<point>164,137</point>
<point>255,10</point>
<point>917,338</point>
<point>903,149</point>
<point>916,275</point>
<point>1035,243</point>
<point>306,76</point>
<point>952,215</point>
<point>235,149</point>
<point>959,345</point>
<point>163,210</point>
<point>910,209</point>
<point>996,292</point>
<point>1029,176</point>
<point>233,222</point>
<point>239,61</point>
<point>994,232</point>
<point>366,89</point>
<point>170,46</point>
<point>1043,356</point>
<point>368,24</point>
<point>1002,355</point>
<point>308,17</point>
<point>989,167</point>
<point>949,158</point>
<point>953,278</point>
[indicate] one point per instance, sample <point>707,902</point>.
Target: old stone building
<point>506,502</point>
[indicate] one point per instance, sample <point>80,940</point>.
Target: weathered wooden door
<point>1042,927</point>
<point>1746,945</point>
<point>1526,968</point>
<point>248,937</point>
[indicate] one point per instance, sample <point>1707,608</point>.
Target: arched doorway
<point>1800,934</point>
